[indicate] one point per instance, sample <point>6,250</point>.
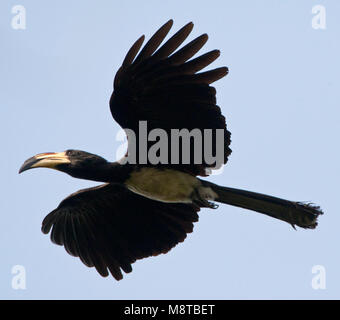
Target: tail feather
<point>299,214</point>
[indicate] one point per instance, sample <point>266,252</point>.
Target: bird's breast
<point>166,185</point>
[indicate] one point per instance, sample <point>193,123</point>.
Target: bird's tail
<point>301,214</point>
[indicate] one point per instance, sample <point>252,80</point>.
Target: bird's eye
<point>72,153</point>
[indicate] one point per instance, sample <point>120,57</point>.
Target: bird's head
<point>76,163</point>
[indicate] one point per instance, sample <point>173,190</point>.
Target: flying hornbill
<point>143,210</point>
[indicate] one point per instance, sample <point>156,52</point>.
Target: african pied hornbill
<point>143,210</point>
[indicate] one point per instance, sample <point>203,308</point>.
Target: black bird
<point>143,210</point>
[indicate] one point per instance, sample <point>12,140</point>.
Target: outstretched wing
<point>163,88</point>
<point>110,227</point>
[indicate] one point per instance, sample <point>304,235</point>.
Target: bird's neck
<point>108,172</point>
<point>117,172</point>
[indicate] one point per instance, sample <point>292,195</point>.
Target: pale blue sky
<point>281,101</point>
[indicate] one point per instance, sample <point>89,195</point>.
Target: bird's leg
<point>201,197</point>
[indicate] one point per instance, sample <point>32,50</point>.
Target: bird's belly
<point>164,185</point>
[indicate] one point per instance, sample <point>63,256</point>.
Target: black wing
<point>163,88</point>
<point>110,227</point>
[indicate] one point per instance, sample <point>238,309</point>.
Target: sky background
<point>281,101</point>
